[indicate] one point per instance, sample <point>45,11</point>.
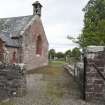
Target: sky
<point>60,18</point>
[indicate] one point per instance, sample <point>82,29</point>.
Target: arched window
<point>39,45</point>
<point>1,50</point>
<point>14,57</point>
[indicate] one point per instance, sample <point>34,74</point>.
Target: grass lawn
<point>52,68</point>
<point>58,63</point>
<point>6,103</point>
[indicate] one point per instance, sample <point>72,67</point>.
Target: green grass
<point>7,103</point>
<point>51,69</point>
<point>53,90</point>
<point>55,70</point>
<point>59,63</point>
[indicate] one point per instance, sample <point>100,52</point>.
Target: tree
<point>94,24</point>
<point>68,54</point>
<point>76,53</point>
<point>51,54</point>
<point>59,55</point>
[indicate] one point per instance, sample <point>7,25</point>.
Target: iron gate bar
<point>84,78</point>
<point>94,65</point>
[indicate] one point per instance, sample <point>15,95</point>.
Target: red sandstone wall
<point>10,54</point>
<point>30,58</point>
<point>95,84</point>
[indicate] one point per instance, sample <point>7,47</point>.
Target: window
<point>1,51</point>
<point>14,57</point>
<point>39,45</point>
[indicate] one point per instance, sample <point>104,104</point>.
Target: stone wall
<point>12,81</point>
<point>30,57</point>
<point>10,54</point>
<point>95,73</point>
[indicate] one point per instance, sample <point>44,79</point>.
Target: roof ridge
<point>16,17</point>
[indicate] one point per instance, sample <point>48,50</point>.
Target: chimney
<point>37,8</point>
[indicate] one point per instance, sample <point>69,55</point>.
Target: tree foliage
<point>59,55</point>
<point>72,56</point>
<point>76,53</point>
<point>51,54</point>
<point>68,53</point>
<point>94,24</point>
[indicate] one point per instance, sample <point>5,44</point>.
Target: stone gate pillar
<point>95,73</point>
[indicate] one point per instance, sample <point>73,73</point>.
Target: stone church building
<point>23,40</point>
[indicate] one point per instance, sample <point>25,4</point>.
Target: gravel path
<point>54,88</point>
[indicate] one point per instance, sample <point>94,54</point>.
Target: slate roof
<point>5,36</point>
<point>13,27</point>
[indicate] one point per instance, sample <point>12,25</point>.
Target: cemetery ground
<point>51,85</point>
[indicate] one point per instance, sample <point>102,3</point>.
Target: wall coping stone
<point>94,49</point>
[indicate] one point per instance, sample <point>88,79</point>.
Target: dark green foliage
<point>72,56</point>
<point>59,55</point>
<point>76,53</point>
<point>94,24</point>
<point>68,52</point>
<point>51,54</point>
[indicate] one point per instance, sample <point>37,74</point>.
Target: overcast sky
<point>60,18</point>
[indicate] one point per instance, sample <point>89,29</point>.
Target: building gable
<point>25,39</point>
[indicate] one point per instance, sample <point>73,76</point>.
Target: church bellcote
<point>37,8</point>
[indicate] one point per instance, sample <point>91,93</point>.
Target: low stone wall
<point>77,72</point>
<point>95,73</point>
<point>69,68</point>
<point>12,81</point>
